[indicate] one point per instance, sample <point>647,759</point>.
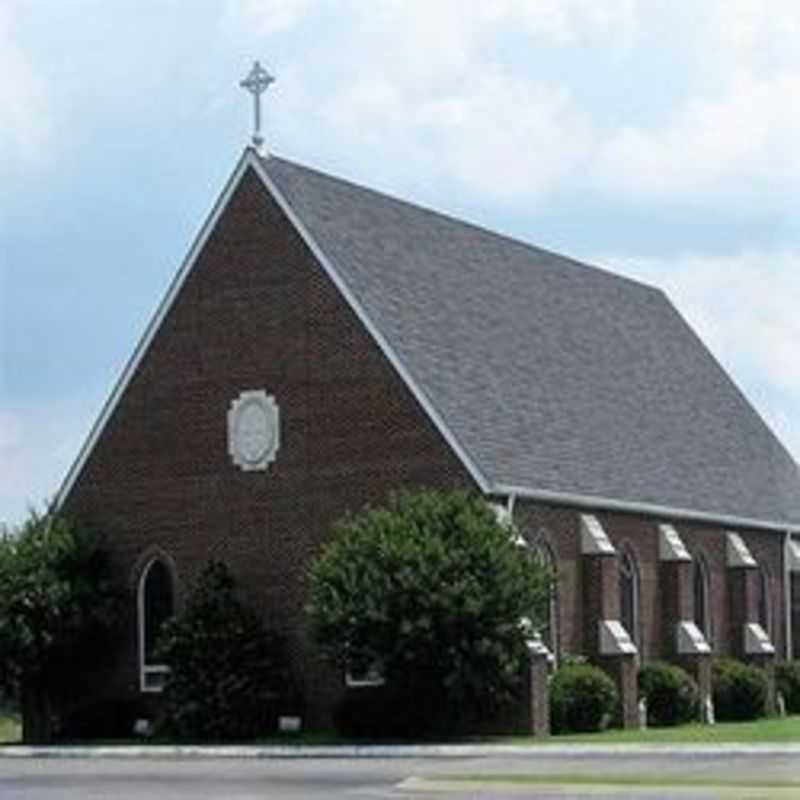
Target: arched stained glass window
<point>701,594</point>
<point>629,595</point>
<point>543,554</point>
<point>156,604</point>
<point>764,606</point>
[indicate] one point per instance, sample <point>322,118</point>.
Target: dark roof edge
<point>634,507</point>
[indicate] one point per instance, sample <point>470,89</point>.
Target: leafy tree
<point>228,675</point>
<point>430,589</point>
<point>58,609</point>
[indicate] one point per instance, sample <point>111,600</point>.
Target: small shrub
<point>740,690</point>
<point>582,698</point>
<point>671,694</point>
<point>787,679</point>
<point>228,676</point>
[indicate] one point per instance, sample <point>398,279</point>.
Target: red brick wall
<point>639,534</point>
<point>256,312</point>
<point>259,312</point>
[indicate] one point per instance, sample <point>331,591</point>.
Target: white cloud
<point>38,445</point>
<point>25,124</point>
<point>406,76</point>
<point>744,308</point>
<point>255,18</point>
<point>736,144</point>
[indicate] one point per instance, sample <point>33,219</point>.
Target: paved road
<point>361,779</point>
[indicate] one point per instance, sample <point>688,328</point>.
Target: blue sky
<point>656,138</point>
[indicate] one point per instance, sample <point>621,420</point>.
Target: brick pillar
<point>624,670</point>
<point>676,601</point>
<point>698,665</point>
<point>600,594</point>
<point>750,642</point>
<point>767,663</point>
<point>605,641</point>
<point>741,606</point>
<point>538,693</point>
<point>795,613</point>
<point>684,643</point>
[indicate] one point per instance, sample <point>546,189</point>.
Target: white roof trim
<point>365,320</point>
<point>152,328</point>
<point>250,159</point>
<point>633,507</point>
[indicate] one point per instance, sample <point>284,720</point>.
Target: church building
<point>324,344</point>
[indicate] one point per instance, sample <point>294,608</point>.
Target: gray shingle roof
<point>551,374</point>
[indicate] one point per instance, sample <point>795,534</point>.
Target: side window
<point>764,610</point>
<point>543,554</point>
<point>156,604</point>
<point>629,596</point>
<point>702,599</point>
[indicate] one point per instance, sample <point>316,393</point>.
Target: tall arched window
<point>156,604</point>
<point>701,593</point>
<point>542,553</point>
<point>629,595</point>
<point>764,606</point>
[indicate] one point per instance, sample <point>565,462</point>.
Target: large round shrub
<point>787,679</point>
<point>740,690</point>
<point>671,694</point>
<point>582,698</point>
<point>228,675</point>
<point>430,590</point>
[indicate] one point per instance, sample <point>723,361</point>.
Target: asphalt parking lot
<point>683,774</point>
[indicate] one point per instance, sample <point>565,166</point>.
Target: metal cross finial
<point>257,82</point>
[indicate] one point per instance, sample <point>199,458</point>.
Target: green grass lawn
<point>785,729</point>
<point>9,729</point>
<point>776,730</point>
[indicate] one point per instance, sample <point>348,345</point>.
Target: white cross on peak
<point>257,82</point>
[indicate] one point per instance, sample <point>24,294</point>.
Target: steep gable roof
<point>553,376</point>
<point>548,377</point>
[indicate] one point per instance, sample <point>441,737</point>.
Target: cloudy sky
<point>658,137</point>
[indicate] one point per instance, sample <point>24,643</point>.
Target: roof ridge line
<point>476,226</point>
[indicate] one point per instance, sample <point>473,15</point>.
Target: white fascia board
<point>633,507</point>
<point>363,317</point>
<point>155,323</point>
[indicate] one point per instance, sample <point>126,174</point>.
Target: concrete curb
<point>392,751</point>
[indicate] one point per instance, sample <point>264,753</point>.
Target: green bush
<point>787,679</point>
<point>740,690</point>
<point>101,718</point>
<point>59,613</point>
<point>387,712</point>
<point>582,698</point>
<point>671,694</point>
<point>431,588</point>
<point>228,675</point>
